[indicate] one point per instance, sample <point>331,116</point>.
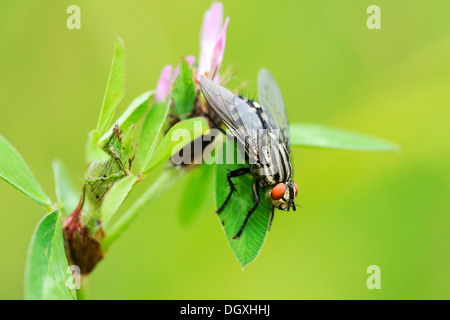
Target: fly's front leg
<point>232,174</point>
<point>257,200</point>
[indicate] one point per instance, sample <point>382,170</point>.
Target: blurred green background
<point>358,209</point>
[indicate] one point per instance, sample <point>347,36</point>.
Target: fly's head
<point>283,195</point>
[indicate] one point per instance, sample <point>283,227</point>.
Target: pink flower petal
<point>190,60</point>
<point>219,49</point>
<point>164,84</point>
<point>212,22</point>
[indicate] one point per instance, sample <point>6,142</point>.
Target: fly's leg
<point>271,217</point>
<point>232,174</point>
<point>257,200</point>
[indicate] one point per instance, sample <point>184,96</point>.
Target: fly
<point>262,130</point>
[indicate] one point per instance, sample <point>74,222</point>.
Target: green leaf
<point>15,171</point>
<point>152,130</point>
<point>318,136</point>
<point>187,130</point>
<point>248,246</point>
<point>131,115</point>
<point>199,191</point>
<point>67,194</point>
<point>94,152</point>
<point>115,87</point>
<point>47,268</point>
<point>128,151</point>
<point>114,199</point>
<point>183,92</point>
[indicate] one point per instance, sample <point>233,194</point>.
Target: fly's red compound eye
<point>296,189</point>
<point>278,191</point>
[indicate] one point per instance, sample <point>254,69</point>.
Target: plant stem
<point>163,182</point>
<point>82,293</point>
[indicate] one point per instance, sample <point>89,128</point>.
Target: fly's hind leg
<point>257,200</point>
<point>232,174</point>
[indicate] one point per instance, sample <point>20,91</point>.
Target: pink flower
<point>166,80</point>
<point>219,49</point>
<point>212,47</point>
<point>212,41</point>
<point>164,84</point>
<point>190,60</point>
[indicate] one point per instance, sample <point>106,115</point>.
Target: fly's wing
<point>240,118</point>
<point>272,103</point>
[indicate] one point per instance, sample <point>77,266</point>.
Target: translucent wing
<point>272,103</point>
<point>241,118</point>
